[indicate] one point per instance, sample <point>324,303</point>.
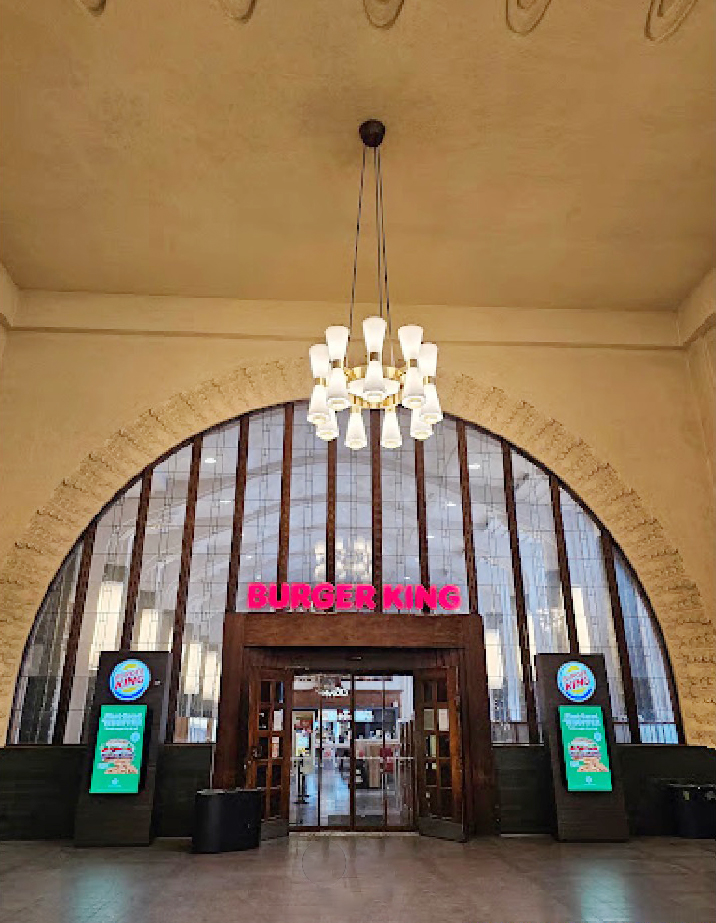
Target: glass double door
<point>352,763</point>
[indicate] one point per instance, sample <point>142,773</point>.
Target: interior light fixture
<point>374,384</point>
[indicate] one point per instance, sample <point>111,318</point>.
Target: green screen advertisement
<point>584,743</point>
<point>117,763</point>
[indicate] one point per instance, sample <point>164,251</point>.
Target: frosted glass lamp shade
<point>428,360</point>
<point>410,338</point>
<point>419,429</point>
<point>390,437</point>
<point>320,364</point>
<point>374,334</point>
<point>318,410</point>
<point>337,390</point>
<point>374,385</point>
<point>413,391</point>
<point>355,433</point>
<point>337,340</point>
<point>431,411</point>
<point>328,431</point>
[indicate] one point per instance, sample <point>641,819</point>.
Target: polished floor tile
<point>356,879</point>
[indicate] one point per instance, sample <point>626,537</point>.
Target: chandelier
<point>374,385</point>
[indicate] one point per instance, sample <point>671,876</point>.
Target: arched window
<point>261,499</point>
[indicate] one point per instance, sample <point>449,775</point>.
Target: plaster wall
<point>570,386</point>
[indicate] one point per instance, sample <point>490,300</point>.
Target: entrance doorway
<point>358,722</point>
<point>352,752</point>
<point>357,751</point>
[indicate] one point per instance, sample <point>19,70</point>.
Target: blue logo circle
<point>576,681</point>
<point>129,680</point>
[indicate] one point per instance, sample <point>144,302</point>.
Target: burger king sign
<point>129,680</point>
<point>576,681</point>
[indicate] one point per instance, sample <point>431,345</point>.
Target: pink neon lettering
<point>344,596</point>
<point>449,597</point>
<point>257,597</point>
<point>365,596</point>
<point>322,596</point>
<point>300,595</point>
<point>391,596</point>
<point>281,601</point>
<point>426,597</point>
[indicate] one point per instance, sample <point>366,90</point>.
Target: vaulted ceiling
<point>168,147</point>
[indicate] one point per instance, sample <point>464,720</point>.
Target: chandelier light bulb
<point>337,396</point>
<point>431,411</point>
<point>337,340</point>
<point>318,410</point>
<point>328,430</point>
<point>374,387</point>
<point>413,390</point>
<point>428,360</point>
<point>390,437</point>
<point>374,334</point>
<point>419,429</point>
<point>320,363</point>
<point>410,338</point>
<point>355,433</point>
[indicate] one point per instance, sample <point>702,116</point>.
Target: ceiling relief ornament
<point>382,13</point>
<point>665,17</point>
<point>525,15</point>
<point>95,7</point>
<point>240,10</point>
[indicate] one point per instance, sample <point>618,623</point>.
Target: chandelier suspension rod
<point>385,258</point>
<point>377,232</point>
<point>355,255</point>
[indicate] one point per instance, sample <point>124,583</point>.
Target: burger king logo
<point>129,680</point>
<point>576,681</point>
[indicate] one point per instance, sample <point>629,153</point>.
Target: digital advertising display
<point>117,763</point>
<point>584,744</point>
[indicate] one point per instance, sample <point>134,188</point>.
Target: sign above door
<point>352,596</point>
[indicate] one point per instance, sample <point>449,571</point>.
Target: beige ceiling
<point>164,148</point>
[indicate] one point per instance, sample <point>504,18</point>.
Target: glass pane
<point>590,595</point>
<point>307,535</point>
<point>443,719</point>
<point>198,701</point>
<point>262,502</point>
<point>401,562</point>
<point>105,604</point>
<point>546,618</point>
<point>429,719</point>
<point>305,747</point>
<point>495,585</point>
<point>443,498</point>
<point>354,517</point>
<point>38,685</point>
<point>161,555</point>
<point>261,776</point>
<point>276,747</point>
<point>651,686</point>
<point>263,719</point>
<point>333,702</point>
<point>278,719</point>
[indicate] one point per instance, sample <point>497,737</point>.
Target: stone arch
<point>675,597</point>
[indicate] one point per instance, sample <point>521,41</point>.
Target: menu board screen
<point>117,762</point>
<point>584,742</point>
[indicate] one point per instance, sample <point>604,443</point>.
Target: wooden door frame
<point>441,634</point>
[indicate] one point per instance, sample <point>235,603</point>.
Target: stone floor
<point>347,879</point>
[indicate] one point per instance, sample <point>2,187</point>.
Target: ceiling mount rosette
<point>95,7</point>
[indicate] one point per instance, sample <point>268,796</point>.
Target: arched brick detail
<point>687,627</point>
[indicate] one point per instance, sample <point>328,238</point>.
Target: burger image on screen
<point>586,752</point>
<point>119,755</point>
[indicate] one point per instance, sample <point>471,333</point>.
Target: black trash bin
<point>226,820</point>
<point>694,810</point>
